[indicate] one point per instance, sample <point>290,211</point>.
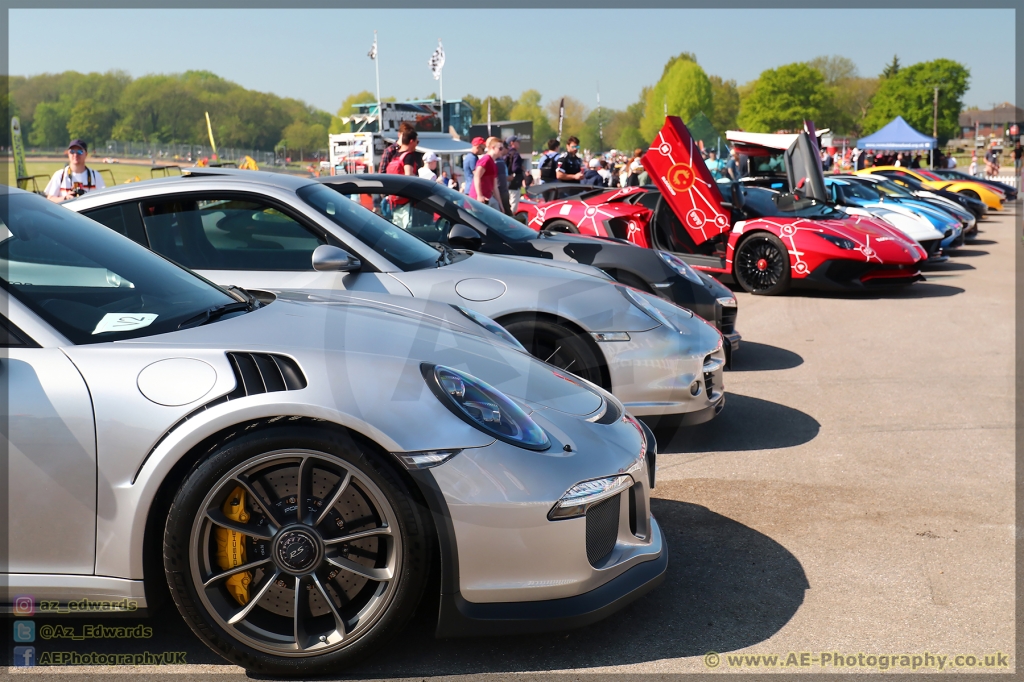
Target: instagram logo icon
<point>24,605</point>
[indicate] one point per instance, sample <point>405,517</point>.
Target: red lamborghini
<point>767,241</point>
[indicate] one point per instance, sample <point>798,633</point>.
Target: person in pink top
<point>485,176</point>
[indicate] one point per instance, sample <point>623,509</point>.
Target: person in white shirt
<point>75,179</point>
<point>429,171</point>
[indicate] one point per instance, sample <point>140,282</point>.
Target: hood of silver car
<point>390,338</point>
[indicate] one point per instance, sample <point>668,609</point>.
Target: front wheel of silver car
<point>294,551</point>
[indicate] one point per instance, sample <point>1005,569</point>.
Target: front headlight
<point>582,496</point>
<point>841,242</point>
<point>491,326</point>
<point>484,407</point>
<point>727,301</point>
<point>680,266</point>
<point>637,299</point>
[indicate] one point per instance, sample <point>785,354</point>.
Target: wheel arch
<point>525,316</point>
<point>156,590</point>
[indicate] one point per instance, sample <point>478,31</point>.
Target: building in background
<point>423,114</point>
<point>992,124</point>
<point>506,129</point>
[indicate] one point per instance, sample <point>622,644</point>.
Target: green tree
<point>85,121</point>
<point>909,94</point>
<point>348,105</point>
<point>573,121</point>
<point>681,57</point>
<point>50,124</point>
<point>892,68</point>
<point>850,97</point>
<point>630,139</point>
<point>725,104</point>
<point>782,98</point>
<point>306,137</point>
<point>835,69</point>
<point>528,108</point>
<point>683,91</point>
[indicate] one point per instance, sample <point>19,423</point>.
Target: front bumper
<point>460,618</point>
<point>501,554</point>
<point>653,373</point>
<point>847,275</point>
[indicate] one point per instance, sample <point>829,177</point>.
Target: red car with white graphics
<point>765,240</point>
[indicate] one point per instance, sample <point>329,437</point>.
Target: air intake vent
<point>264,373</point>
<point>602,529</point>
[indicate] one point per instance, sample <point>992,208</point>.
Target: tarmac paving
<point>853,503</point>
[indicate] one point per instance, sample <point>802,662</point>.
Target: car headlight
<point>841,242</point>
<point>727,301</point>
<point>484,407</point>
<point>491,326</point>
<point>680,266</point>
<point>637,299</point>
<point>582,496</point>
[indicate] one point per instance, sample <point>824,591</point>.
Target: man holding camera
<point>75,179</point>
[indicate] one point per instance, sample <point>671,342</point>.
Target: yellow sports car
<point>991,196</point>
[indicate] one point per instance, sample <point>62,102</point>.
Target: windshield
<point>510,229</point>
<point>90,283</point>
<point>405,250</point>
<point>765,203</point>
<point>893,190</point>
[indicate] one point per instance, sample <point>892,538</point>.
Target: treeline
<point>827,90</point>
<point>96,107</point>
<point>170,108</point>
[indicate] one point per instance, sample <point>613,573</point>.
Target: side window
<point>123,218</point>
<point>228,233</point>
<point>411,217</point>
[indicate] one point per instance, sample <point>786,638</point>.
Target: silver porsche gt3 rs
<point>290,470</point>
<point>272,231</point>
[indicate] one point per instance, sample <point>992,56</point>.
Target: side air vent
<point>264,373</point>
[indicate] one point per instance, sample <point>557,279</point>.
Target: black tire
<point>562,226</point>
<point>761,264</point>
<point>360,488</point>
<point>559,346</point>
<point>970,193</point>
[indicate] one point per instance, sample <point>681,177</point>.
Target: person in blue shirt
<point>469,162</point>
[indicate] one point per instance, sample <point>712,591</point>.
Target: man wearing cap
<point>469,161</point>
<point>592,175</point>
<point>430,170</point>
<point>75,179</point>
<point>516,173</point>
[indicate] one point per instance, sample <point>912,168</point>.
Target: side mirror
<point>464,237</point>
<point>327,258</point>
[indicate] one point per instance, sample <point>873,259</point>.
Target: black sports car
<point>441,215</point>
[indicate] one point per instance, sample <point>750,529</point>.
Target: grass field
<point>122,171</point>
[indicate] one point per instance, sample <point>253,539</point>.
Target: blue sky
<point>320,55</point>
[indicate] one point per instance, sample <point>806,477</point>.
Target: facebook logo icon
<point>24,656</point>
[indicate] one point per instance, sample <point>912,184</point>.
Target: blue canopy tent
<point>897,135</point>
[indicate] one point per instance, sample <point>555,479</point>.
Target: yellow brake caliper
<point>231,546</point>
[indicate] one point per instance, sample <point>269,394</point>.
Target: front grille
<point>709,379</point>
<point>602,529</point>
<point>728,319</point>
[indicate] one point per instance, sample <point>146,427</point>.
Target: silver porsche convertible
<point>290,469</point>
<point>272,231</point>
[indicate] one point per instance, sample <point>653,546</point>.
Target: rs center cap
<point>297,551</point>
<point>762,264</point>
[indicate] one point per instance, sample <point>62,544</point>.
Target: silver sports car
<point>273,231</point>
<point>290,470</point>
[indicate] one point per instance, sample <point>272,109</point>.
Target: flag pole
<point>376,67</point>
<point>440,80</point>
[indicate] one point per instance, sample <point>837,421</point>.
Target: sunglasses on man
<point>76,151</point>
